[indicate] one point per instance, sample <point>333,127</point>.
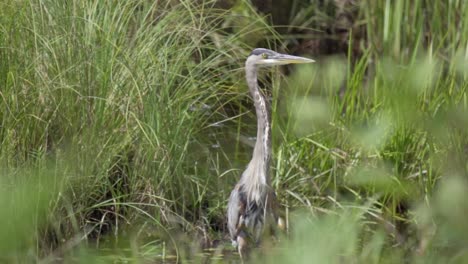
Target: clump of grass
<point>123,95</point>
<point>389,136</point>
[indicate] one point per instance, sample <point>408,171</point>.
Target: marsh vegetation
<point>125,124</point>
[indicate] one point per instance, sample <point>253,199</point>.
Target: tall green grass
<point>118,120</point>
<point>380,145</point>
<point>125,96</point>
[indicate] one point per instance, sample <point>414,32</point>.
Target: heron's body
<point>252,203</point>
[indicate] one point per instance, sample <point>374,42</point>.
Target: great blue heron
<point>252,203</point>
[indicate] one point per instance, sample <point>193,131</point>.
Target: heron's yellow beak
<point>282,59</point>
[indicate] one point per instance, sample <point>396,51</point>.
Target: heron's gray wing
<point>236,209</point>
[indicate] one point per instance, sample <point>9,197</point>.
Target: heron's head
<point>266,57</point>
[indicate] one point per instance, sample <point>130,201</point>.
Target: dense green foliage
<point>125,124</point>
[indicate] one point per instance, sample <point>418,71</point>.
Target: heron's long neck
<point>260,162</point>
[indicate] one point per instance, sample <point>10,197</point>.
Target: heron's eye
<point>264,56</point>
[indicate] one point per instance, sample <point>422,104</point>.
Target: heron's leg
<point>277,217</point>
<point>278,221</point>
<point>258,233</point>
<point>242,245</point>
<point>281,223</point>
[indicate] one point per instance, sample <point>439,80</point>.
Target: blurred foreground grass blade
<point>149,96</point>
<point>329,239</point>
<point>25,199</point>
